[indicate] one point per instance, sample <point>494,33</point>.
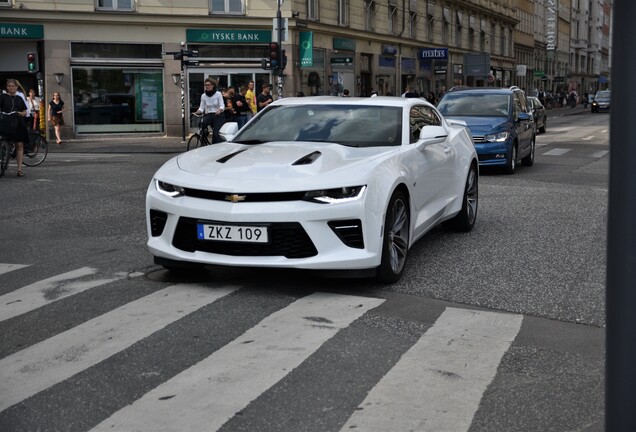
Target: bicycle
<point>35,150</point>
<point>201,137</point>
<point>7,124</point>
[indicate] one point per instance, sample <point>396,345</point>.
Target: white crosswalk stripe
<point>458,355</point>
<point>556,152</point>
<point>6,268</point>
<point>53,360</point>
<point>216,388</point>
<point>49,290</point>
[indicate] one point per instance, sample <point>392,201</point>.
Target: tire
<point>465,219</point>
<point>542,128</point>
<point>512,163</point>
<point>37,150</point>
<point>4,156</point>
<point>395,242</point>
<point>194,142</point>
<point>529,160</point>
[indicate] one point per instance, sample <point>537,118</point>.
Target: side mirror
<point>228,130</point>
<point>432,135</point>
<point>524,116</point>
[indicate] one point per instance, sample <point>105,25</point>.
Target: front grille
<point>244,197</point>
<point>287,239</point>
<point>478,139</point>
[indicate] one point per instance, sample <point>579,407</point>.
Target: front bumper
<point>493,154</point>
<point>301,235</point>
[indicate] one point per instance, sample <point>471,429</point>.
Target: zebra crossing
<point>198,357</point>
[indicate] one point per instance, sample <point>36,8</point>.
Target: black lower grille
<point>287,239</point>
<point>158,221</point>
<point>349,232</point>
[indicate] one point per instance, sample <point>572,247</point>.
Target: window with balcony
<point>343,12</point>
<point>392,25</point>
<point>369,17</point>
<point>446,26</point>
<point>115,5</point>
<point>312,10</point>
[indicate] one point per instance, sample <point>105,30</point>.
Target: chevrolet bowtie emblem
<point>234,198</point>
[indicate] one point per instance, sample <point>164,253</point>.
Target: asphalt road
<point>93,333</point>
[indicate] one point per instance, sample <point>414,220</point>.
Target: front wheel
<point>465,219</point>
<point>194,142</point>
<point>529,160</point>
<point>512,163</point>
<point>395,243</point>
<point>36,151</point>
<point>542,128</point>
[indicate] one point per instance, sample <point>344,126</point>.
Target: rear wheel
<point>542,128</point>
<point>465,219</point>
<point>4,156</point>
<point>194,142</point>
<point>395,244</point>
<point>36,151</point>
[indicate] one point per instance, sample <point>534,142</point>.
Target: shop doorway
<point>225,78</point>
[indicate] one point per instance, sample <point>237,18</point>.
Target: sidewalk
<point>160,144</point>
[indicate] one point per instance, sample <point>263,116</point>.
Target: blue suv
<point>500,121</point>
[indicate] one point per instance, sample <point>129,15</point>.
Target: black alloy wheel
<point>395,244</point>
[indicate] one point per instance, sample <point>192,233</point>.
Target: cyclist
<point>12,102</point>
<point>213,108</point>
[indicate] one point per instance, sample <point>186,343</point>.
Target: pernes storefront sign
<point>228,36</point>
<point>21,31</point>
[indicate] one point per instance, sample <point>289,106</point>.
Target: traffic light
<point>274,55</point>
<point>32,62</point>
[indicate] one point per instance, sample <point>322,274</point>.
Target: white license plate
<point>235,233</point>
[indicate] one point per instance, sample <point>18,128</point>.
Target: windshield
<point>349,125</point>
<point>474,105</point>
<point>603,94</point>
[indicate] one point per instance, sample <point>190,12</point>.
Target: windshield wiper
<point>252,141</point>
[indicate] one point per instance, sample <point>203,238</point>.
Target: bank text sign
<point>21,31</point>
<point>228,36</point>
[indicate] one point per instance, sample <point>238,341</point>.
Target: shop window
<point>227,7</point>
<point>118,5</point>
<point>89,50</point>
<point>117,99</point>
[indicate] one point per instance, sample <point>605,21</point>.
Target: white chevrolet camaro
<point>321,183</point>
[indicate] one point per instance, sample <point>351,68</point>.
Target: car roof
<point>390,101</point>
<point>496,90</point>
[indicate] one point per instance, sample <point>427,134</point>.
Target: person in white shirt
<point>33,105</point>
<point>213,109</point>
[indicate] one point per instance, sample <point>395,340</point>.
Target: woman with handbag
<point>56,108</point>
<point>11,102</point>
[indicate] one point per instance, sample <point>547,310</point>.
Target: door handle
<point>447,150</point>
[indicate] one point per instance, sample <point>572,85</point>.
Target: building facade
<point>116,66</point>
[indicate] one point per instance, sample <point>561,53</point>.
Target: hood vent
<point>308,159</point>
<point>230,156</point>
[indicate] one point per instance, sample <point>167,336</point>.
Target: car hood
<point>276,166</point>
<point>602,100</point>
<point>480,126</point>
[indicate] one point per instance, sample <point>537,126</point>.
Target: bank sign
<point>21,31</point>
<point>434,54</point>
<point>229,36</point>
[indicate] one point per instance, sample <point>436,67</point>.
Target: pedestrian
<point>33,105</point>
<point>212,108</point>
<point>241,107</point>
<point>300,94</point>
<point>374,93</point>
<point>345,93</point>
<point>250,97</point>
<point>11,102</point>
<point>55,115</point>
<point>265,98</point>
<point>228,100</point>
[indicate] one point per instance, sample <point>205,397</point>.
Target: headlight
<point>498,137</point>
<point>168,189</point>
<point>337,195</point>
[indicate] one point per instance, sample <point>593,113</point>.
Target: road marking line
<point>437,385</point>
<point>556,152</point>
<point>214,390</point>
<point>6,268</point>
<point>588,138</point>
<point>599,154</point>
<point>53,360</point>
<point>47,291</point>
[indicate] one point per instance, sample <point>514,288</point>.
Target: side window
<point>420,117</point>
<point>516,102</point>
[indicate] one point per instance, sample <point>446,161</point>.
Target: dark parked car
<point>601,101</point>
<point>109,108</point>
<point>500,121</point>
<point>539,113</point>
